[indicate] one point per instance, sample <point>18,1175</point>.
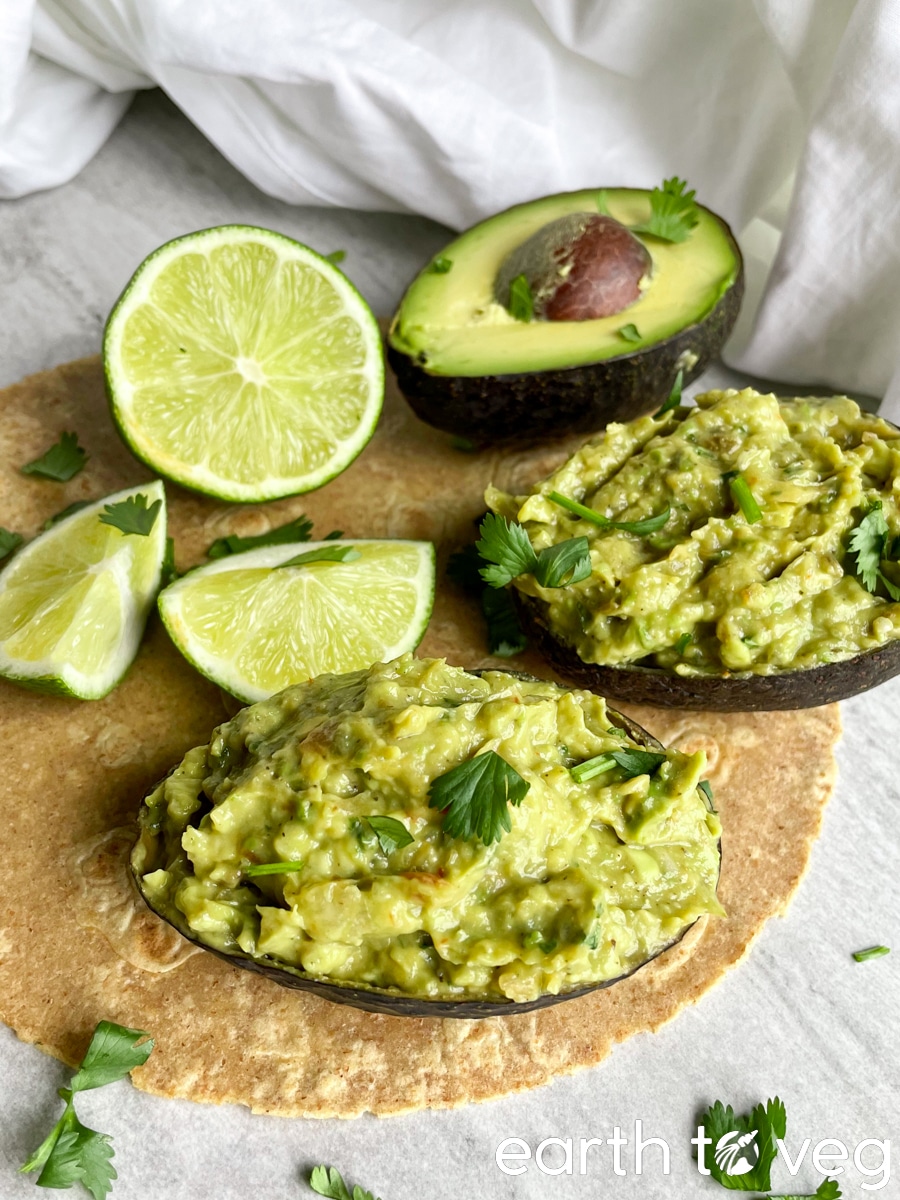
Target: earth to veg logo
<point>737,1153</point>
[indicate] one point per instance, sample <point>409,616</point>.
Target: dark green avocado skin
<point>540,404</point>
<point>735,693</point>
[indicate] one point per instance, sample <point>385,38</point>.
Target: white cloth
<point>458,108</point>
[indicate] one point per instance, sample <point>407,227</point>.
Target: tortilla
<point>76,942</point>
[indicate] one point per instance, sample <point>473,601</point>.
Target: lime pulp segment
<point>255,627</point>
<point>242,364</point>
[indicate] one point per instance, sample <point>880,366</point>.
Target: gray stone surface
<point>799,1018</point>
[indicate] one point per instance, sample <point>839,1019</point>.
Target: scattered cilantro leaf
<point>334,536</point>
<point>629,332</point>
<point>592,767</point>
<point>633,763</point>
<point>324,554</point>
<point>673,212</point>
<point>297,530</point>
<point>682,644</point>
<point>601,199</point>
<point>132,515</point>
<point>706,788</point>
<point>61,462</point>
<point>647,525</point>
<point>392,834</point>
<point>464,569</point>
<point>505,635</point>
<point>743,497</point>
<point>871,952</point>
<point>476,796</point>
<point>276,868</point>
<point>869,542</point>
<point>327,1181</point>
<point>169,572</point>
<point>761,1127</point>
<point>68,511</point>
<point>9,541</point>
<point>521,301</point>
<point>565,563</point>
<point>507,547</point>
<point>335,257</point>
<point>673,399</point>
<point>827,1190</point>
<point>72,1153</point>
<point>440,265</point>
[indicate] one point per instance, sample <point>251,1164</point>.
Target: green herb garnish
<point>766,1123</point>
<point>276,868</point>
<point>647,525</point>
<point>61,462</point>
<point>476,796</point>
<point>869,542</point>
<point>521,301</point>
<point>9,541</point>
<point>743,497</point>
<point>334,536</point>
<point>440,265</point>
<point>601,199</point>
<point>392,834</point>
<point>169,572</point>
<point>506,547</point>
<point>632,762</point>
<point>324,554</point>
<point>505,635</point>
<point>327,1181</point>
<point>872,952</point>
<point>68,511</point>
<point>462,444</point>
<point>132,515</point>
<point>673,399</point>
<point>673,212</point>
<point>335,257</point>
<point>298,530</point>
<point>706,788</point>
<point>629,333</point>
<point>827,1190</point>
<point>682,644</point>
<point>72,1153</point>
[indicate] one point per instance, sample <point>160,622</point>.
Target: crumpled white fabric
<point>458,108</point>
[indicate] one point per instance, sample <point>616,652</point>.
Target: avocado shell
<point>536,405</point>
<point>398,1004</point>
<point>744,692</point>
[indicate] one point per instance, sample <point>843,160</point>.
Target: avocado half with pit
<point>195,808</point>
<point>616,315</point>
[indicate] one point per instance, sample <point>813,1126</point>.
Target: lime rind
<point>194,475</point>
<point>345,596</point>
<point>81,562</point>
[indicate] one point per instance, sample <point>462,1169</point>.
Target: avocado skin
<point>536,405</point>
<point>808,688</point>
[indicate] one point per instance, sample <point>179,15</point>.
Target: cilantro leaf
<point>673,399</point>
<point>327,1181</point>
<point>324,554</point>
<point>706,788</point>
<point>335,257</point>
<point>79,1155</point>
<point>505,635</point>
<point>566,562</point>
<point>9,541</point>
<point>629,333</point>
<point>871,952</point>
<point>132,515</point>
<point>601,199</point>
<point>507,547</point>
<point>632,761</point>
<point>647,525</point>
<point>732,1135</point>
<point>827,1190</point>
<point>440,265</point>
<point>275,868</point>
<point>68,511</point>
<point>61,462</point>
<point>392,834</point>
<point>743,496</point>
<point>869,541</point>
<point>113,1052</point>
<point>682,644</point>
<point>673,212</point>
<point>521,301</point>
<point>464,569</point>
<point>297,530</point>
<point>476,796</point>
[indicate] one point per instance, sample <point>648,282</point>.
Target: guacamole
<point>592,879</point>
<point>720,590</point>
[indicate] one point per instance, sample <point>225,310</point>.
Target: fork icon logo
<point>736,1154</point>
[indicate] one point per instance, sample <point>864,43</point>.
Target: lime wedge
<point>74,602</point>
<point>254,626</point>
<point>242,364</point>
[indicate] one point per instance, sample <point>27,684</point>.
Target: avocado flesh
<point>450,325</point>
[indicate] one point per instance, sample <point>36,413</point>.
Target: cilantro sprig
<point>255,870</point>
<point>869,542</point>
<point>645,526</point>
<point>504,633</point>
<point>760,1128</point>
<point>132,515</point>
<point>521,301</point>
<point>297,530</point>
<point>476,796</point>
<point>673,212</point>
<point>506,547</point>
<point>71,1153</point>
<point>61,462</point>
<point>328,1181</point>
<point>673,399</point>
<point>632,763</point>
<point>392,834</point>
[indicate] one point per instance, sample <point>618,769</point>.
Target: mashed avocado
<point>713,592</point>
<point>592,880</point>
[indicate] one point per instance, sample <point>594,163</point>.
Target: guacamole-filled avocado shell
<point>740,692</point>
<point>391,1002</point>
<point>549,378</point>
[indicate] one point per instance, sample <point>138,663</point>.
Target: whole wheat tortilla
<point>78,945</point>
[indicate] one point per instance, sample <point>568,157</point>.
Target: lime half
<point>74,602</point>
<point>242,364</point>
<point>254,626</point>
